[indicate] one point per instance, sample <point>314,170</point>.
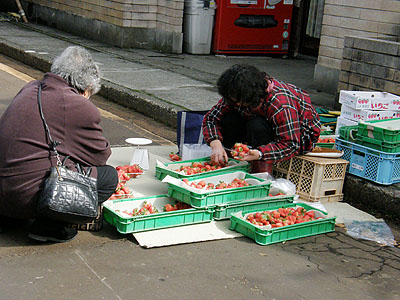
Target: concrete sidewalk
<point>153,83</point>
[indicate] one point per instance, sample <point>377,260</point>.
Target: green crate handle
<point>351,133</point>
<point>265,235</point>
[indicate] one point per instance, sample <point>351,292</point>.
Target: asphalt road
<point>109,265</point>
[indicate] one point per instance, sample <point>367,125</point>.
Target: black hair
<point>243,84</point>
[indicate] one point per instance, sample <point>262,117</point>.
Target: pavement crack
<point>102,280</point>
<point>368,260</point>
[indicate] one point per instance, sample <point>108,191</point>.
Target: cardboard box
<point>367,115</point>
<point>370,100</point>
<point>341,121</point>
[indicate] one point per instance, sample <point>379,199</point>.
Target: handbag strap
<point>53,143</point>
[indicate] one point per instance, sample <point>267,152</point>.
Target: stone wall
<point>370,64</point>
<point>152,24</point>
<point>366,18</point>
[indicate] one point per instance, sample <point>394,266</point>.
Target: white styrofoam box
<point>341,121</point>
<point>370,100</point>
<point>367,115</point>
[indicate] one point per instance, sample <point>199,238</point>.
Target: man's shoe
<point>46,231</point>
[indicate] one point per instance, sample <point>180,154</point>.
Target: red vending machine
<point>252,26</point>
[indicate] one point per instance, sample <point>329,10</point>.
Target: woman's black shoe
<point>49,231</point>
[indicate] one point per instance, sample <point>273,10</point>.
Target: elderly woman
<point>25,154</point>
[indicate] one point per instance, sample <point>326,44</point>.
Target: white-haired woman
<point>73,120</point>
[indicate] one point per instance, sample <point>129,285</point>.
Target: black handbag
<point>67,195</point>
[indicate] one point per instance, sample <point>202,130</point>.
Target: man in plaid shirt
<point>276,119</point>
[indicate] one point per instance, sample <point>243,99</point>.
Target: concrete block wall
<point>152,23</point>
<point>370,64</point>
<point>366,18</point>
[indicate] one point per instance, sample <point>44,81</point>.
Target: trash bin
<point>198,21</point>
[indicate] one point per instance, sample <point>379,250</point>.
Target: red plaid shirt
<point>288,109</point>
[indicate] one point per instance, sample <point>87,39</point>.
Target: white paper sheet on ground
<point>344,211</point>
<point>215,230</point>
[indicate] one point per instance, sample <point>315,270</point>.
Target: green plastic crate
<point>280,234</point>
<point>383,130</point>
<point>224,211</point>
<point>348,133</point>
<point>233,165</point>
<point>127,224</point>
<point>389,147</point>
<point>327,132</point>
<point>211,198</point>
<point>327,145</point>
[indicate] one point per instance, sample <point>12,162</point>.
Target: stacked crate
<point>373,150</point>
<point>366,106</point>
<point>316,178</point>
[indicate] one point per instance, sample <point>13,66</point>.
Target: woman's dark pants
<point>253,132</point>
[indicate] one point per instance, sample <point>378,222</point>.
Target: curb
<point>151,106</point>
<point>377,198</point>
<point>30,59</point>
<point>146,104</point>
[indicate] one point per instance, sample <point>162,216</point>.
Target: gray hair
<point>77,67</point>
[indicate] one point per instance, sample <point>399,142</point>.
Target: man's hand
<point>218,154</point>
